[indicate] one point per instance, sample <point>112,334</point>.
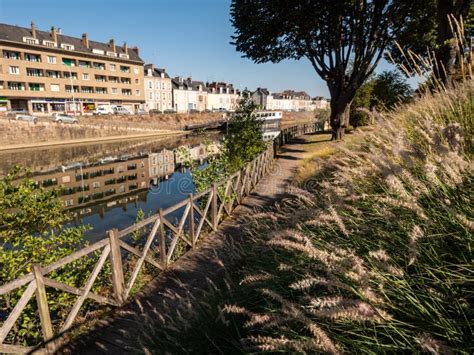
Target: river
<point>106,185</point>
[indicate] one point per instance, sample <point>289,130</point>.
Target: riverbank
<point>94,129</point>
<point>83,141</point>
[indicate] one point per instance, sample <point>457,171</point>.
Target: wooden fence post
<point>215,222</point>
<point>116,265</point>
<point>191,221</point>
<point>162,240</point>
<point>42,301</point>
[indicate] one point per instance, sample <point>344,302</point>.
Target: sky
<point>186,37</point>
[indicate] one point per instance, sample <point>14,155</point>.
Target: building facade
<point>158,89</point>
<point>222,96</point>
<point>189,95</point>
<point>46,72</point>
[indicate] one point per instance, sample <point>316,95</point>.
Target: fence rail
<point>202,211</point>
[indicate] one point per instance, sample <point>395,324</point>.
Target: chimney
<point>85,39</point>
<point>135,49</point>
<point>125,47</point>
<point>112,45</point>
<point>33,29</point>
<point>54,34</point>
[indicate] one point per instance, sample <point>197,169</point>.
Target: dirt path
<point>191,275</point>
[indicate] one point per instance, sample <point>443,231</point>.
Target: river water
<point>105,185</point>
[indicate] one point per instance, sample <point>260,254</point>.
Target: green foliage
<point>382,92</point>
<point>343,39</point>
<point>32,231</point>
<point>242,144</point>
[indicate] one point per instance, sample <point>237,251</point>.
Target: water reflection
<point>105,185</point>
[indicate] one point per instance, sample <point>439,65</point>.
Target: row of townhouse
<point>288,100</point>
<point>44,72</point>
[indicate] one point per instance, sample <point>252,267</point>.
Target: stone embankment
<point>18,134</point>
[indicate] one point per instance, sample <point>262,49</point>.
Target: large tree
<point>343,39</point>
<point>429,32</point>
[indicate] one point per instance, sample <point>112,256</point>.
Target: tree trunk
<point>339,119</point>
<point>446,53</point>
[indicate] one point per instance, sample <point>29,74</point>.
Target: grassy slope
<point>372,253</point>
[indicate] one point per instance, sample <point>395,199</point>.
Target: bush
<point>32,231</point>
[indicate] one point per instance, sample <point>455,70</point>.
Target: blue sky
<point>187,37</point>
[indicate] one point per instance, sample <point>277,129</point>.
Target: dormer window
<point>111,54</point>
<point>66,46</point>
<point>97,51</point>
<point>123,55</point>
<point>50,44</point>
<point>30,40</point>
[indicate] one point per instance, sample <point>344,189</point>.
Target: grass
<point>372,253</point>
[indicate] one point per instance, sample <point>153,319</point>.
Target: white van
<point>103,110</point>
<point>120,110</point>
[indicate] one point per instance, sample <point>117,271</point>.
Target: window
<point>137,92</point>
<point>87,90</point>
<point>68,75</point>
<point>51,59</point>
<point>55,87</point>
<point>11,55</point>
<point>99,66</point>
<point>136,70</point>
<point>101,90</point>
<point>126,92</point>
<point>151,96</point>
<point>30,40</point>
<point>112,67</point>
<point>15,70</point>
<point>97,51</point>
<point>123,55</point>
<point>84,64</point>
<point>150,85</point>
<point>137,81</point>
<point>53,74</point>
<point>32,57</point>
<point>15,86</point>
<point>34,72</point>
<point>100,78</point>
<point>50,44</point>
<point>85,76</point>
<point>69,62</point>
<point>114,90</point>
<point>68,203</point>
<point>124,69</point>
<point>111,54</point>
<point>95,184</point>
<point>35,87</point>
<point>66,46</point>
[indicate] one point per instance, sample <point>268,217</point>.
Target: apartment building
<point>222,96</point>
<point>161,165</point>
<point>46,72</point>
<point>189,95</point>
<point>290,100</point>
<point>81,185</point>
<point>158,89</point>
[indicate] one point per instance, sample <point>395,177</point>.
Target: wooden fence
<point>200,212</point>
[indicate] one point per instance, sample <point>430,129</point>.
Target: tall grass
<point>373,254</point>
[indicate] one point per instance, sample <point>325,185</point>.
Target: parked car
<point>103,111</point>
<point>17,111</point>
<point>26,117</point>
<point>140,111</point>
<point>169,111</point>
<point>62,118</point>
<point>120,110</point>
